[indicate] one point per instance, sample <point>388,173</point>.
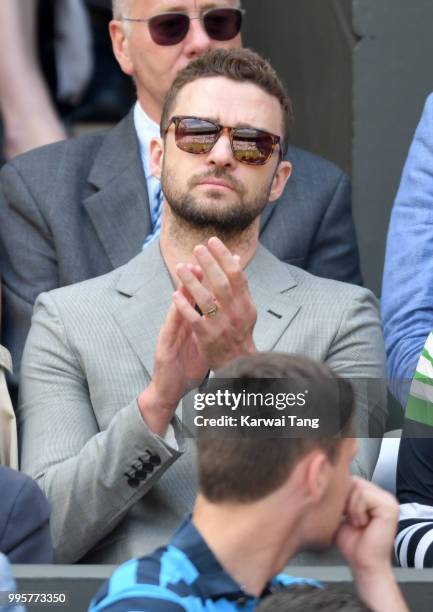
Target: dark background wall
<point>392,75</point>
<point>309,43</point>
<point>358,72</point>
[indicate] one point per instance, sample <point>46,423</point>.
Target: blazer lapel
<point>119,204</point>
<point>147,283</point>
<point>270,283</point>
<point>145,280</point>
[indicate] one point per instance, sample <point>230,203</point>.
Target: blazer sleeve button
<point>155,459</point>
<point>133,482</point>
<point>146,467</point>
<point>142,472</point>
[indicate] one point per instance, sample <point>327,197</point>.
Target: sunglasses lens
<point>252,146</point>
<point>196,135</point>
<point>249,146</point>
<point>168,29</point>
<point>222,24</point>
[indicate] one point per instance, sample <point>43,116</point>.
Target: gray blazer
<point>90,353</point>
<point>77,209</point>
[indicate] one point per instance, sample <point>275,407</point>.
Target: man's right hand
<point>179,367</point>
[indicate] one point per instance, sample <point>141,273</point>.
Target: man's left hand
<point>367,535</point>
<point>225,331</point>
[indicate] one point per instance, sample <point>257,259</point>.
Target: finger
<point>357,509</point>
<point>379,503</point>
<point>230,266</point>
<point>170,327</point>
<point>216,277</point>
<point>359,515</point>
<point>186,310</point>
<point>187,295</point>
<point>197,271</point>
<point>197,290</point>
<point>239,300</point>
<point>236,301</point>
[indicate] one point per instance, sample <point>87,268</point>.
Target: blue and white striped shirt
<point>184,575</point>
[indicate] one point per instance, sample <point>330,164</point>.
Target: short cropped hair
<point>240,65</point>
<point>299,598</point>
<point>224,462</point>
<point>120,8</point>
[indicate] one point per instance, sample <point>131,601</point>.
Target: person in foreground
<point>79,209</point>
<point>108,361</point>
<point>298,495</point>
<point>307,598</point>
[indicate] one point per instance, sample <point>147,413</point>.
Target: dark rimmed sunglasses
<point>171,28</point>
<point>249,145</point>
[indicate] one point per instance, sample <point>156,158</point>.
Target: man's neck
<point>178,239</point>
<point>150,106</point>
<point>251,543</point>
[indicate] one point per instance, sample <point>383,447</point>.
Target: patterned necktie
<point>155,216</point>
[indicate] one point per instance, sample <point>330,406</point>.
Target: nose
<point>221,154</point>
<point>197,41</point>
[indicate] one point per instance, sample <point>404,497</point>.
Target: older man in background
<point>81,208</point>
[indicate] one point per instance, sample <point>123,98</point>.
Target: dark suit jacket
<point>77,209</point>
<point>24,519</point>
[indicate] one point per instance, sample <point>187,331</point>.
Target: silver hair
<point>120,7</point>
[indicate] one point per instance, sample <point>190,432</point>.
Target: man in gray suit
<point>107,361</point>
<point>78,209</point>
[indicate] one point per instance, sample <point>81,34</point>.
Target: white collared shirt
<point>146,130</point>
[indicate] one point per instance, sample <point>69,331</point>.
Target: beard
<point>213,214</point>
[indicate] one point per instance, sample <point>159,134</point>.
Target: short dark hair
<point>224,461</point>
<point>241,65</point>
<point>298,598</point>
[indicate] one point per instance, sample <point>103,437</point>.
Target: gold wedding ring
<point>211,313</point>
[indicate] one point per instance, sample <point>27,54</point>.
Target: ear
<point>281,177</point>
<point>120,44</point>
<point>156,156</point>
<point>318,473</point>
